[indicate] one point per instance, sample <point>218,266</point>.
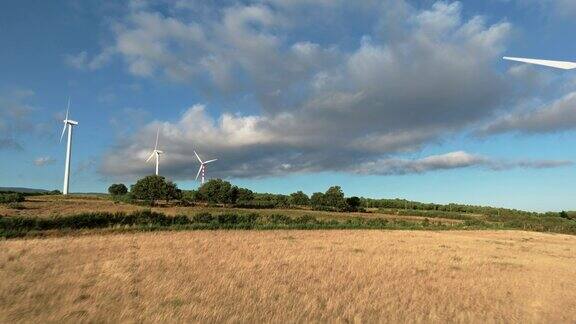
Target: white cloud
<point>44,160</point>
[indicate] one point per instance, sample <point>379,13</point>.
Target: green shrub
<point>279,218</point>
<point>203,218</point>
<point>16,205</point>
<point>152,188</point>
<point>227,218</point>
<point>377,222</point>
<point>305,219</point>
<point>256,204</point>
<point>251,218</point>
<point>7,198</point>
<point>118,189</point>
<point>127,198</point>
<point>475,222</point>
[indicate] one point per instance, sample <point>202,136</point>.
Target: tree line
<point>153,188</point>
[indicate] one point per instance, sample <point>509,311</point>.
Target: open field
<point>46,206</point>
<point>293,276</point>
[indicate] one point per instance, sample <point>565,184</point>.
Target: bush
<point>203,218</point>
<point>11,198</point>
<point>227,218</point>
<point>16,205</point>
<point>564,215</point>
<point>305,219</point>
<point>190,196</point>
<point>118,189</point>
<point>152,188</point>
<point>256,204</point>
<point>279,218</point>
<point>251,218</point>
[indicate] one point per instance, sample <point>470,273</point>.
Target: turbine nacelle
<point>70,122</point>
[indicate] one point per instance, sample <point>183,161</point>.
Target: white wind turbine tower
<point>156,152</point>
<point>68,123</point>
<point>202,168</point>
<point>555,64</point>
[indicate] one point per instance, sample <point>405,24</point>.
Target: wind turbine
<point>555,64</point>
<point>156,152</point>
<point>68,123</point>
<point>202,168</point>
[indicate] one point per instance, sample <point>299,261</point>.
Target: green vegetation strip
<point>18,226</point>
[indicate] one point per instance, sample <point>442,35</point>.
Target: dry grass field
<point>291,276</point>
<point>46,206</point>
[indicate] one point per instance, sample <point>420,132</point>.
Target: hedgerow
<point>17,226</point>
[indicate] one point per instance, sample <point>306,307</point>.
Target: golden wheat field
<point>291,276</point>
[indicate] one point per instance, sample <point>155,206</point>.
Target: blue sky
<point>387,98</point>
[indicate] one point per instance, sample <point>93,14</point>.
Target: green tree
<point>171,191</point>
<point>118,189</point>
<point>353,203</point>
<point>191,196</point>
<point>334,197</point>
<point>564,214</point>
<point>317,199</point>
<point>299,199</point>
<point>152,188</point>
<point>282,200</point>
<point>245,194</point>
<point>219,191</point>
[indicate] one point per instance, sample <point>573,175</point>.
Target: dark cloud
<point>557,116</point>
<point>453,160</point>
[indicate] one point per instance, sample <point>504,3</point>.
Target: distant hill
<point>23,190</point>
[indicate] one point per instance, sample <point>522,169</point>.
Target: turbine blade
<point>555,64</point>
<point>199,159</point>
<point>210,161</point>
<point>67,108</point>
<point>157,134</point>
<point>63,131</point>
<point>151,156</point>
<point>199,170</point>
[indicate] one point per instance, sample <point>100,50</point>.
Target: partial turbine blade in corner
<point>210,161</point>
<point>199,159</point>
<point>555,64</point>
<point>199,170</point>
<point>63,131</point>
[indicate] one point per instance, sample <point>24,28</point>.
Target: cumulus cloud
<point>411,81</point>
<point>254,146</point>
<point>557,116</point>
<point>453,160</point>
<point>44,160</point>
